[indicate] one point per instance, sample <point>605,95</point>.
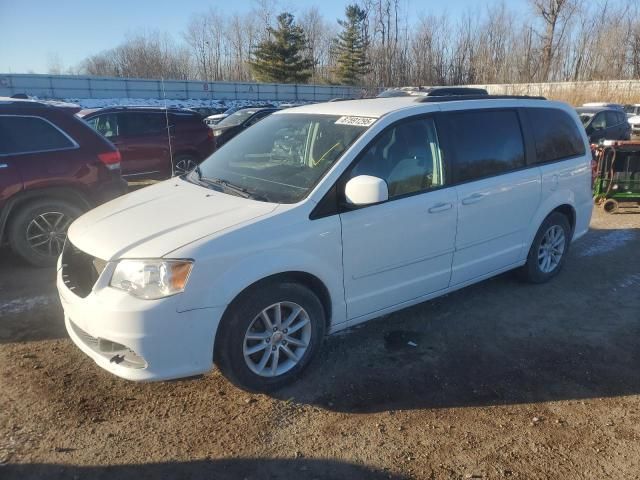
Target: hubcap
<point>277,339</point>
<point>551,249</point>
<point>184,166</point>
<point>47,232</point>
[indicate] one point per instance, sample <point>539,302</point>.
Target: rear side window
<point>134,124</point>
<point>484,143</point>
<point>23,134</point>
<point>555,133</point>
<point>612,119</point>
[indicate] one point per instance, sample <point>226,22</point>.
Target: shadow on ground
<point>227,469</point>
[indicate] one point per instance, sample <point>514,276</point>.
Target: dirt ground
<point>507,380</point>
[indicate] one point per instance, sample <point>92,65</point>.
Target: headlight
<point>217,133</point>
<point>151,279</point>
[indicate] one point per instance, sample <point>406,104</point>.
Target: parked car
<point>319,218</point>
<point>213,120</point>
<point>616,106</point>
<point>239,121</point>
<point>431,91</point>
<point>155,143</point>
<point>604,123</point>
<point>632,110</point>
<point>53,168</point>
<point>208,111</point>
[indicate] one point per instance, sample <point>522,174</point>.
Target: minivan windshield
<point>281,158</point>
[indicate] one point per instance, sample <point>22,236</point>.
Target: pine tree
<point>351,47</point>
<point>281,57</point>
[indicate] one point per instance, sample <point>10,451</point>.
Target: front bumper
<point>140,340</point>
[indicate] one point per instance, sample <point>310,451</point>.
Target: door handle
<point>440,207</point>
<point>476,197</point>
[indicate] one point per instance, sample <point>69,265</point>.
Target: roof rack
<point>454,98</point>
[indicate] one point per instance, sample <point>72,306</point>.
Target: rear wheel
<point>548,251</point>
<point>610,205</point>
<point>38,230</point>
<point>269,335</point>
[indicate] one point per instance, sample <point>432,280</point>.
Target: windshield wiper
<point>235,189</point>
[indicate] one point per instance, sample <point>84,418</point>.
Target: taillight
<point>111,159</point>
<point>210,133</point>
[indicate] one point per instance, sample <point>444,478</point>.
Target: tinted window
<point>30,134</point>
<point>106,125</point>
<point>406,156</point>
<point>134,123</point>
<point>612,119</point>
<point>484,143</point>
<point>555,133</point>
<point>598,121</point>
<point>622,117</point>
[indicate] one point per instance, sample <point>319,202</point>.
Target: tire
<point>234,352</point>
<point>183,164</point>
<point>610,205</point>
<point>554,235</point>
<point>32,223</point>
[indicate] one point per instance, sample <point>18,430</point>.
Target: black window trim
<point>74,144</point>
<point>528,147</point>
<point>332,204</point>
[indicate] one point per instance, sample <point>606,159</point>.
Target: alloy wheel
<point>184,166</point>
<point>47,232</point>
<point>277,339</point>
<point>551,249</point>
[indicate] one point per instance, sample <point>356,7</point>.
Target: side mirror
<point>366,190</point>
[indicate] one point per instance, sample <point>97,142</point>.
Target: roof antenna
<point>166,118</point>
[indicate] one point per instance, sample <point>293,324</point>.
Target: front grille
<point>85,337</point>
<point>80,271</point>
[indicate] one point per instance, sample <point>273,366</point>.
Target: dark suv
<point>604,123</point>
<point>53,167</point>
<point>155,143</point>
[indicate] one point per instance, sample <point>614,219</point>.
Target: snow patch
<point>21,305</point>
<point>607,243</point>
<point>87,103</point>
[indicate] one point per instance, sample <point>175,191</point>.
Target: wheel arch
<point>306,279</point>
<point>26,197</point>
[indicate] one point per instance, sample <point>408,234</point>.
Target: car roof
<point>143,108</point>
<point>23,103</point>
<point>378,107</point>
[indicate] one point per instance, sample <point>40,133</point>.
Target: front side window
<point>555,133</point>
<point>282,157</point>
<point>407,156</point>
<point>106,125</point>
<point>484,143</point>
<point>24,134</point>
<point>599,122</point>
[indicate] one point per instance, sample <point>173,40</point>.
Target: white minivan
<point>318,218</point>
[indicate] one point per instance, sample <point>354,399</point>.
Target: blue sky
<point>32,31</point>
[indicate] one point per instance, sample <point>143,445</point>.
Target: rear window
<point>25,134</point>
<point>556,135</point>
<point>484,142</point>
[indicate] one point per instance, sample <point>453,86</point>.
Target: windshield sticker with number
<point>356,121</point>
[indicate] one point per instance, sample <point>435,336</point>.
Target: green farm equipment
<point>616,175</point>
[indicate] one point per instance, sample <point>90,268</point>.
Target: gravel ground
<point>506,380</point>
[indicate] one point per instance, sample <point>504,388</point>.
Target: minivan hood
<point>156,220</point>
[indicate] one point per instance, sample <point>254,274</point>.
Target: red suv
<point>155,143</point>
<point>53,167</point>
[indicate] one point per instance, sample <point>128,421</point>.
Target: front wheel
<point>548,251</point>
<point>269,335</point>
